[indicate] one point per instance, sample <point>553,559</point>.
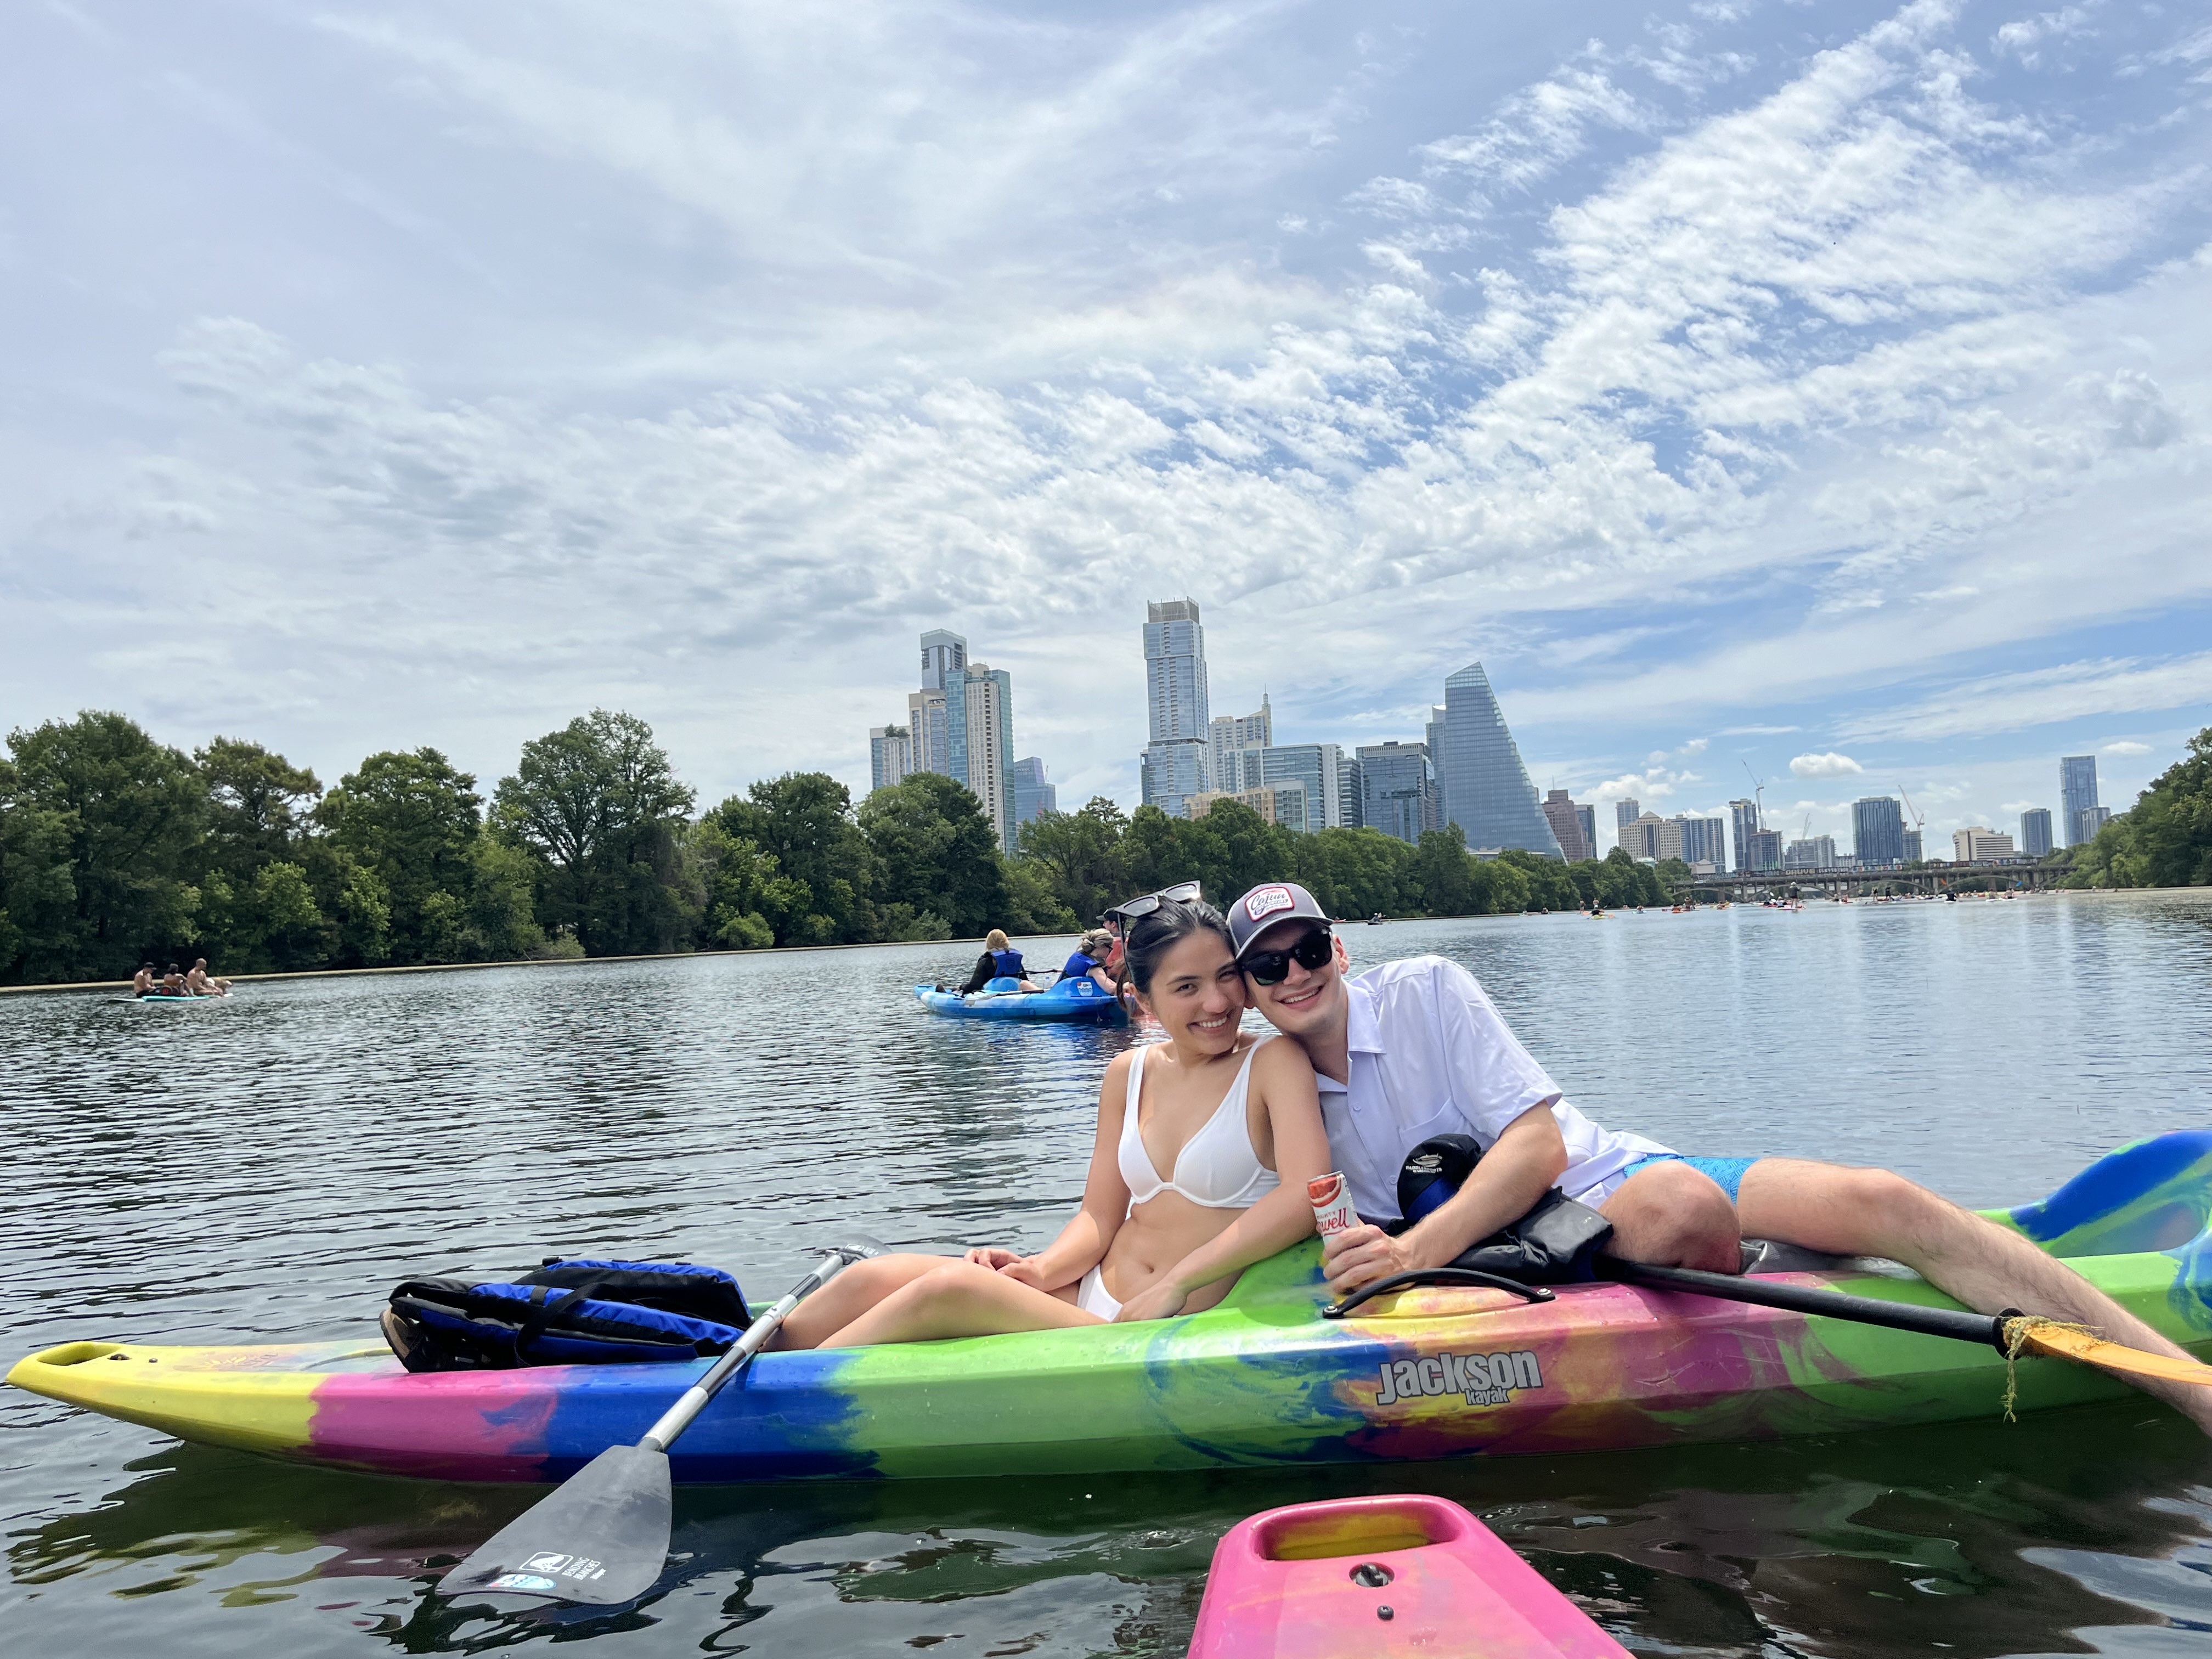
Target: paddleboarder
<point>1415,1048</point>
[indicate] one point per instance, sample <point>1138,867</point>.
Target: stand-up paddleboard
<point>1366,1577</point>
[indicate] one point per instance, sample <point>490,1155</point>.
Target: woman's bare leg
<point>849,1295</point>
<point>958,1298</point>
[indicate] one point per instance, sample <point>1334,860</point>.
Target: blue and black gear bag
<point>566,1313</point>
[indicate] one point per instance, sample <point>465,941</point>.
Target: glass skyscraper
<point>1877,832</point>
<point>1397,794</point>
<point>1315,767</point>
<point>2035,831</point>
<point>1032,794</point>
<point>1486,790</point>
<point>2077,797</point>
<point>1175,759</point>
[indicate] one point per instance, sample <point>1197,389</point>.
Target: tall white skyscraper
<point>1233,743</point>
<point>1175,762</point>
<point>988,699</point>
<point>960,723</point>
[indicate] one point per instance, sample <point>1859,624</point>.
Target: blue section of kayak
<point>1072,998</point>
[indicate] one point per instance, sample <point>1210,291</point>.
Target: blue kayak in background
<point>1071,999</point>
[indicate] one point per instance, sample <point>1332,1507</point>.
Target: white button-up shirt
<point>1431,1055</point>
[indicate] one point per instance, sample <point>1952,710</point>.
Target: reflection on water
<point>266,1169</point>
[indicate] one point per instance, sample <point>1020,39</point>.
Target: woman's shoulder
<point>1279,1056</point>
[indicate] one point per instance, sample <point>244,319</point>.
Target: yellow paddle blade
<point>2048,1336</point>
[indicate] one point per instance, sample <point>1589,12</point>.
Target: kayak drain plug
<point>1371,1575</point>
<point>1384,1613</point>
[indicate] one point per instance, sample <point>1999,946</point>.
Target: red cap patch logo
<point>1266,901</point>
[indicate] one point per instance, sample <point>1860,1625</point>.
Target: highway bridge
<point>1845,882</point>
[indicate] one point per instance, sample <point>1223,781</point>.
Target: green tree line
<point>116,849</point>
<point>2165,840</point>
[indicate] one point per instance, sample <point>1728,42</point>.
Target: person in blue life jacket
<point>1000,960</point>
<point>1089,961</point>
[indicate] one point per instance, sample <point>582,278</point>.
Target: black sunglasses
<point>1274,967</point>
<point>1151,902</point>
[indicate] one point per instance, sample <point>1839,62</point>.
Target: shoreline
<point>807,950</point>
<point>88,985</point>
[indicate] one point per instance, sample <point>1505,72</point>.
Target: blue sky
<point>1775,388</point>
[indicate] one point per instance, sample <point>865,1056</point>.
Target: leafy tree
<point>803,821</point>
<point>1444,874</point>
<point>258,805</point>
<point>599,802</point>
<point>1157,852</point>
<point>1079,856</point>
<point>935,853</point>
<point>121,816</point>
<point>411,820</point>
<point>2166,839</point>
<point>1232,849</point>
<point>738,887</point>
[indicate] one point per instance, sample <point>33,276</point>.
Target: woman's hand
<point>992,1256</point>
<point>1159,1300</point>
<point>1024,1270</point>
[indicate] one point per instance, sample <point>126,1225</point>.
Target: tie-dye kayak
<point>1261,1379</point>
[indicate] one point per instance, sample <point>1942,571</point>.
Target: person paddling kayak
<point>1415,1048</point>
<point>1000,960</point>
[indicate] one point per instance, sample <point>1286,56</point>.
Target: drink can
<point>1331,1198</point>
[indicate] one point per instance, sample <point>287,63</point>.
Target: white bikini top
<point>1217,1167</point>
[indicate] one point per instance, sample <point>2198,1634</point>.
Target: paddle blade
<point>2064,1342</point>
<point>601,1539</point>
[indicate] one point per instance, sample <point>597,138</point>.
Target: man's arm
<point>1518,1170</point>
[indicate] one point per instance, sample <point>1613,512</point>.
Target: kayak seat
<point>2151,1195</point>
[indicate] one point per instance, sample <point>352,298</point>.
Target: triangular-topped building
<point>1486,789</point>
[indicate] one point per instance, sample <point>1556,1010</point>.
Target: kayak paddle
<point>602,1539</point>
<point>2011,1332</point>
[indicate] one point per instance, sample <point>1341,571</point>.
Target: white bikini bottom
<point>1090,1296</point>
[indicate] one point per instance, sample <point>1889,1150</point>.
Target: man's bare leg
<point>1673,1216</point>
<point>1852,1211</point>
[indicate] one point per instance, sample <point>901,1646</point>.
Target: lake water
<point>266,1169</point>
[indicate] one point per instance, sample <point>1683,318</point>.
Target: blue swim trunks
<point>1726,1172</point>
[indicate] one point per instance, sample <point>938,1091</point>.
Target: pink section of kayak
<point>1407,1575</point>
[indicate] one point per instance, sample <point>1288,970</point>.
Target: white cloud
<point>2044,697</point>
<point>988,322</point>
<point>1829,765</point>
<point>2124,746</point>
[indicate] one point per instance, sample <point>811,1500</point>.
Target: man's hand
<point>1159,1300</point>
<point>1360,1255</point>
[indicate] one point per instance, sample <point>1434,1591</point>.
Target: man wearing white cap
<point>1414,1048</point>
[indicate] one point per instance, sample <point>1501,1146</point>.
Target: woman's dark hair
<point>1151,936</point>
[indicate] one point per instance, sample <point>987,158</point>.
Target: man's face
<point>1309,1001</point>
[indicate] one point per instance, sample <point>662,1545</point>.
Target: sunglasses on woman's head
<point>1274,967</point>
<point>1152,901</point>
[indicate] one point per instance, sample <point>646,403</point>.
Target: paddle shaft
<point>1956,1322</point>
<point>677,1418</point>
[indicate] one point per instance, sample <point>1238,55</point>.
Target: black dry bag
<point>1552,1244</point>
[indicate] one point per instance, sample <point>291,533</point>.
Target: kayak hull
<point>1071,1001</point>
<point>1260,1381</point>
<point>1373,1576</point>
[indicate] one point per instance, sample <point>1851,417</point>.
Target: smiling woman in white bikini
<point>1235,1120</point>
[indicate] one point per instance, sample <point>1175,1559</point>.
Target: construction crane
<point>1919,819</point>
<point>1757,796</point>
